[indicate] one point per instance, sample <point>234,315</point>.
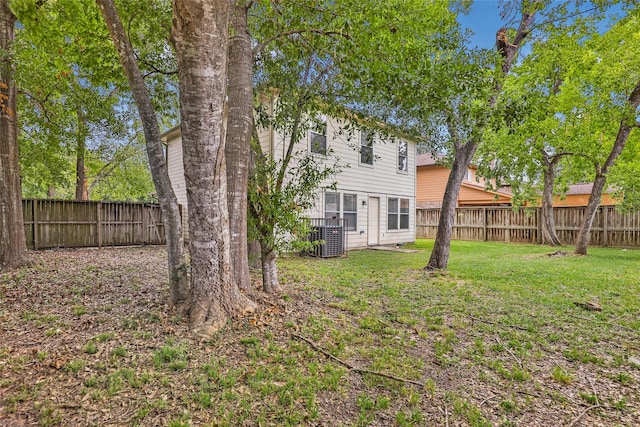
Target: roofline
<point>481,188</point>
<point>171,132</point>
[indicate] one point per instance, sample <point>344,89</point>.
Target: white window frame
<point>403,167</point>
<point>334,213</point>
<point>351,225</point>
<point>318,130</point>
<point>366,146</point>
<point>341,212</point>
<point>398,214</point>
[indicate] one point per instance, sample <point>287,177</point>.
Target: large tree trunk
<point>178,280</point>
<point>549,235</point>
<point>270,282</point>
<point>13,248</point>
<point>199,35</point>
<point>441,247</point>
<point>238,138</point>
<point>626,124</point>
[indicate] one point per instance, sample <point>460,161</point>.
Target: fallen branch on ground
<point>489,322</point>
<point>576,419</point>
<point>603,322</point>
<point>352,367</point>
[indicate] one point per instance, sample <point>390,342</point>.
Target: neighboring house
<point>431,182</point>
<point>578,195</point>
<point>375,193</point>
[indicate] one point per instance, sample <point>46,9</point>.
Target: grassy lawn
<point>87,339</point>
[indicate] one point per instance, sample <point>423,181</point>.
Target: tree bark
<point>549,235</point>
<point>464,151</point>
<point>178,279</point>
<point>13,247</point>
<point>441,247</point>
<point>238,138</point>
<point>584,235</point>
<point>200,36</point>
<point>626,125</point>
<point>270,282</point>
<point>82,192</point>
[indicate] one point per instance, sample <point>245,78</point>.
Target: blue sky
<point>484,19</point>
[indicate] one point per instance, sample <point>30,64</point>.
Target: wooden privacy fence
<point>72,224</point>
<point>503,224</point>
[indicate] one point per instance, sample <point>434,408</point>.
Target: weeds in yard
<point>78,310</point>
<point>90,348</point>
<point>75,365</point>
<point>171,356</point>
<point>560,375</point>
<point>490,342</point>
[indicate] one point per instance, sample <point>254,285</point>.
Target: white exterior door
<point>373,223</point>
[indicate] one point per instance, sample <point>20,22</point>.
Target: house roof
<point>478,187</point>
<point>164,137</point>
<point>582,188</point>
<point>426,160</point>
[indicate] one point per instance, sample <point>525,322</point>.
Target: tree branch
<point>258,48</point>
<point>355,368</point>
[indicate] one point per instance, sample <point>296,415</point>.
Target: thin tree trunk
<point>549,235</point>
<point>238,138</point>
<point>441,247</point>
<point>584,235</point>
<point>626,124</point>
<point>178,279</point>
<point>82,192</point>
<point>270,282</point>
<point>254,255</point>
<point>199,34</point>
<point>13,247</point>
<point>254,252</point>
<point>464,151</point>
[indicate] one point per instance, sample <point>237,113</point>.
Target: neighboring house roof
<point>582,188</point>
<point>425,160</point>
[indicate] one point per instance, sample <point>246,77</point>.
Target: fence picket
<point>502,224</point>
<point>69,223</point>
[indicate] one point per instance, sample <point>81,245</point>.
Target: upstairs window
<point>366,148</point>
<point>403,156</point>
<point>318,135</point>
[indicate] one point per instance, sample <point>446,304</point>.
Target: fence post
<point>145,226</point>
<point>539,225</point>
<point>484,224</point>
<point>605,225</point>
<point>34,212</point>
<point>99,223</point>
<point>507,223</point>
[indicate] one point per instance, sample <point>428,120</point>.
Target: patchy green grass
<point>496,340</point>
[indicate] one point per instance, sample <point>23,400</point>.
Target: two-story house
<point>375,192</point>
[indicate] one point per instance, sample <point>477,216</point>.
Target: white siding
<point>382,180</point>
<point>176,175</point>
